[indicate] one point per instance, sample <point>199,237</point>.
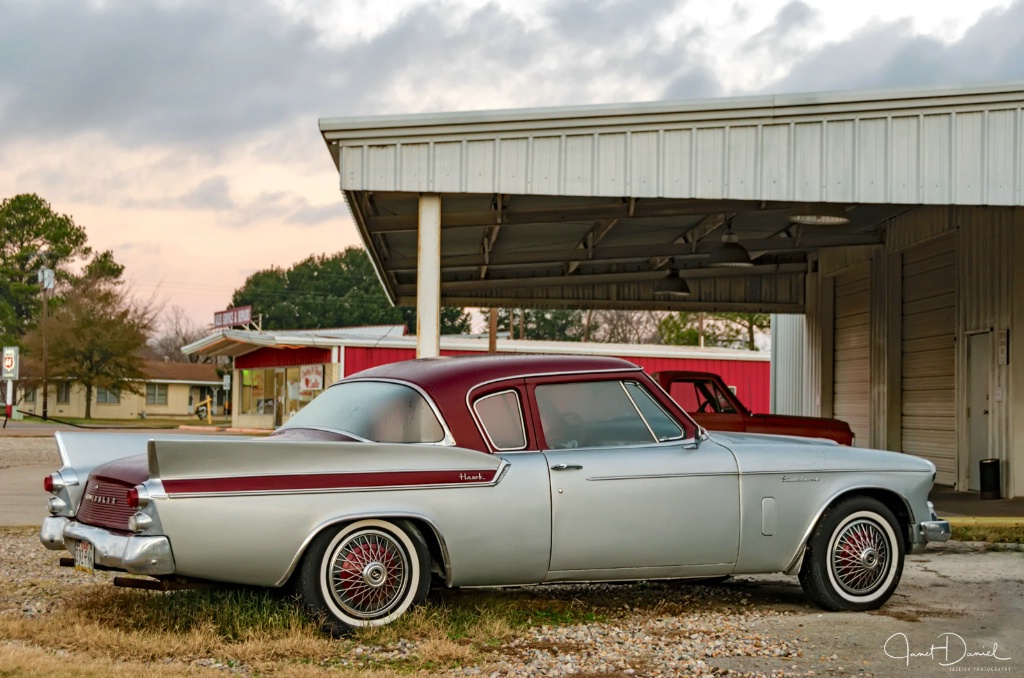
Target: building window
<point>108,396</point>
<point>63,392</point>
<point>156,394</point>
<point>30,395</point>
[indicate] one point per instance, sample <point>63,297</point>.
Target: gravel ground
<point>26,451</point>
<point>749,626</point>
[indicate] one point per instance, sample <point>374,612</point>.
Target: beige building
<point>170,390</point>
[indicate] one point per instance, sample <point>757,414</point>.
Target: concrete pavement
<point>22,498</point>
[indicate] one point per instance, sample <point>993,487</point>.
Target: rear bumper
<point>150,555</point>
<point>929,530</point>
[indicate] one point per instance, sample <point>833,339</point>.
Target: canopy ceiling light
<point>730,254</point>
<point>819,214</point>
<point>671,286</point>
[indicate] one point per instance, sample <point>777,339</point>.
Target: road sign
<point>10,363</point>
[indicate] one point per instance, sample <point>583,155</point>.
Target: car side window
<point>590,414</point>
<point>664,427</point>
<point>501,416</point>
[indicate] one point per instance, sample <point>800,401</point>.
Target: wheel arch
<point>427,528</point>
<point>891,499</point>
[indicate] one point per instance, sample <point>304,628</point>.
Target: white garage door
<point>929,355</point>
<point>851,366</point>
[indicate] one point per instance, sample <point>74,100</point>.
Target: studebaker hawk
<point>487,471</point>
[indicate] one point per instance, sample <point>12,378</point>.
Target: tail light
<point>53,483</point>
<point>138,497</point>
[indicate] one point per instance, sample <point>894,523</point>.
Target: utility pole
<point>46,280</point>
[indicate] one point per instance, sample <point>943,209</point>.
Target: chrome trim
<point>139,522</point>
<point>828,502</point>
<point>56,506</point>
<point>483,429</point>
<point>499,473</point>
<point>144,497</point>
<point>364,516</point>
<point>448,440</point>
<point>936,530</point>
<point>567,467</point>
<point>654,436</point>
<point>51,534</point>
<point>134,554</point>
<point>665,475</point>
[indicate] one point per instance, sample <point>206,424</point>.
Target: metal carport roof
<point>592,206</point>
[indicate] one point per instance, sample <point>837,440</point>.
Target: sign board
<point>232,316</point>
<point>227,381</point>
<point>311,378</point>
<point>1003,348</point>
<point>10,363</point>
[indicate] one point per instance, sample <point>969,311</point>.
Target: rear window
<point>383,412</point>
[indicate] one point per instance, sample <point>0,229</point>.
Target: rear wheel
<point>854,559</point>
<point>367,573</point>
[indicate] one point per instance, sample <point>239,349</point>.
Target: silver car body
<point>244,510</point>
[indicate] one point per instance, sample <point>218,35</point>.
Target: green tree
<point>731,330</point>
<point>541,324</point>
<point>96,332</point>
<point>31,235</point>
<point>340,290</point>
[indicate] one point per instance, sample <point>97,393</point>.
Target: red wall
<point>752,379</point>
<point>282,357</point>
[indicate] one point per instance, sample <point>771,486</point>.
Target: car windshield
<point>380,411</point>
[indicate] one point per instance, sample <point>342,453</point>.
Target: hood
<point>800,421</point>
<point>758,453</point>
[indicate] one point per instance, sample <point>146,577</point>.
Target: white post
<point>428,278</point>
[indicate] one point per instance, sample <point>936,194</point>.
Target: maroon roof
<point>448,380</point>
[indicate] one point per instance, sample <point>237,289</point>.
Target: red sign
<point>311,378</point>
<point>233,316</point>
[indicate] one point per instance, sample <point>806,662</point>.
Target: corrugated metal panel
<point>928,426</point>
<point>742,149</point>
<point>916,227</point>
<point>851,399</point>
<point>923,147</point>
<point>788,367</point>
<point>986,274</point>
<point>839,163</point>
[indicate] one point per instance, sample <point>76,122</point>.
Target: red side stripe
<point>327,481</point>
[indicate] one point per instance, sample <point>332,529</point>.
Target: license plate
<point>85,557</point>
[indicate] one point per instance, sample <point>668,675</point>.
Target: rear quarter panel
<point>492,533</point>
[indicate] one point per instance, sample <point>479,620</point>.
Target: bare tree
<point>178,330</point>
<point>625,327</point>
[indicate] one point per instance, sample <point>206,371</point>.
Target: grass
<point>267,632</point>
<point>994,530</point>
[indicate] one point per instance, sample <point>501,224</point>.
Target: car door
<point>626,492</point>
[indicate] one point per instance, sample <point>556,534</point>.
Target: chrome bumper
<point>131,553</point>
<point>929,530</point>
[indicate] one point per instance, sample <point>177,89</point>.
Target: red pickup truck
<point>711,403</point>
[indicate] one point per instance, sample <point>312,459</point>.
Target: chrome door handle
<point>566,467</point>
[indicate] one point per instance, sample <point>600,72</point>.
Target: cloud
<point>213,193</point>
<point>891,54</point>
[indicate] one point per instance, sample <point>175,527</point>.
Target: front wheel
<point>854,559</point>
<point>367,573</point>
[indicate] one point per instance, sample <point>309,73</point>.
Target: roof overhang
<point>585,207</point>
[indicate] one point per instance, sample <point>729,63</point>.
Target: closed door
<point>979,394</point>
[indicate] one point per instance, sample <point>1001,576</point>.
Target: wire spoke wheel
<point>854,556</point>
<point>365,573</point>
<point>369,574</point>
<point>860,557</point>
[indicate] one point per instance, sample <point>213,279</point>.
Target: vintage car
<point>485,471</point>
<point>713,405</point>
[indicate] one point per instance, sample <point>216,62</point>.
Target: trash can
<point>989,478</point>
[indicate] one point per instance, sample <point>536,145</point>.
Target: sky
<point>183,135</point>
